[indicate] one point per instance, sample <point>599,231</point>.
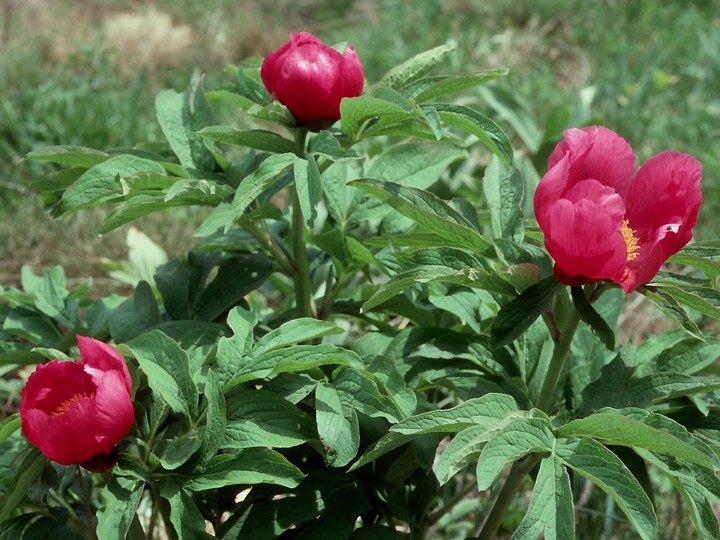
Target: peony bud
<point>310,78</point>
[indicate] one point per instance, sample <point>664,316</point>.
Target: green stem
<point>264,240</point>
<point>514,481</point>
<point>301,276</point>
<point>557,362</point>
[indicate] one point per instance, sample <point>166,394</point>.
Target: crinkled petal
<point>596,152</point>
<point>585,241</point>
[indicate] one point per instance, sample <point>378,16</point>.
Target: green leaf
<point>551,509</point>
<point>326,145</point>
<point>357,113</point>
<point>670,307</point>
<point>699,507</point>
<point>134,208</point>
<point>429,88</point>
<point>484,411</point>
<point>30,464</point>
<point>251,187</point>
<point>216,418</point>
<point>428,211</point>
<point>136,315</point>
<point>519,115</point>
<point>180,117</point>
<point>360,391</point>
<point>233,352</point>
<point>185,517</point>
<point>260,418</point>
<point>688,356</point>
<point>503,189</point>
<point>592,318</point>
<point>9,425</point>
<point>249,466</point>
<point>517,439</point>
<point>258,139</point>
<point>69,156</point>
<point>338,428</point>
<point>121,496</point>
<point>592,460</point>
<point>702,299</point>
<point>167,370</point>
<point>100,184</point>
<point>517,315</point>
<point>174,453</point>
<point>309,188</point>
<point>616,429</point>
<point>293,332</point>
<point>490,135</point>
<point>416,66</point>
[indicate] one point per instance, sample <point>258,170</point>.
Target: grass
<point>85,75</point>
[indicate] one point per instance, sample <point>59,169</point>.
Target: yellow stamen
<point>65,405</point>
<point>631,241</point>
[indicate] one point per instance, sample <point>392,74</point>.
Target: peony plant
<point>373,335</point>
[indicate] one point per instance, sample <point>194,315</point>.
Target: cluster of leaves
<point>366,361</point>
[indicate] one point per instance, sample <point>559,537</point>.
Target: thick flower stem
<point>514,481</point>
<point>301,276</point>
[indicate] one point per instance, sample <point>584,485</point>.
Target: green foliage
<point>348,328</point>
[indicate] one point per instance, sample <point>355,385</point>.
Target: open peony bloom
<point>310,78</point>
<point>76,412</point>
<point>603,220</point>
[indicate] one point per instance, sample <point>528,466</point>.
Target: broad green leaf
<point>30,464</point>
<point>121,496</point>
<point>216,418</point>
<point>551,509</point>
<point>309,188</point>
<point>428,211</point>
<point>134,208</point>
<point>249,466</point>
<point>100,183</point>
<point>592,460</point>
<point>516,440</point>
<point>359,391</point>
<point>338,428</point>
<point>136,315</point>
<point>260,418</point>
<point>490,135</point>
<point>592,318</point>
<point>167,370</point>
<point>293,332</point>
<point>702,299</point>
<point>198,192</point>
<point>174,453</point>
<point>518,114</point>
<point>69,156</point>
<point>389,442</point>
<point>689,355</point>
<point>516,316</point>
<point>703,255</point>
<point>327,145</point>
<point>462,304</point>
<point>356,114</point>
<point>249,189</point>
<point>483,411</point>
<point>233,352</point>
<point>180,117</point>
<point>698,506</point>
<point>49,292</point>
<point>429,88</point>
<point>616,429</point>
<point>503,189</point>
<point>416,66</point>
<point>185,516</point>
<point>258,139</point>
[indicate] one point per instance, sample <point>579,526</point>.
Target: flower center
<point>65,405</point>
<point>631,241</point>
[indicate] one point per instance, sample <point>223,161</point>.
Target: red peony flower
<point>603,220</point>
<point>76,412</point>
<point>310,78</point>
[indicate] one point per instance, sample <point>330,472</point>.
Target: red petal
<point>102,357</point>
<point>599,153</point>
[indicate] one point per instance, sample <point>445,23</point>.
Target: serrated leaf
<point>121,496</point>
<point>517,439</point>
<point>166,367</point>
<point>592,460</point>
<point>249,466</point>
<point>258,139</point>
<point>416,66</point>
<point>551,509</point>
<point>517,315</point>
